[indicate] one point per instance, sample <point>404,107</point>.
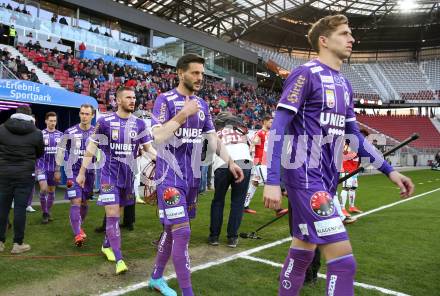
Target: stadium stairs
<point>43,77</point>
<point>401,127</point>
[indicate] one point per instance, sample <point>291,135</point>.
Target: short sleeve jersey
<point>179,159</point>
<point>76,140</point>
<point>47,162</point>
<point>119,140</point>
<point>259,149</point>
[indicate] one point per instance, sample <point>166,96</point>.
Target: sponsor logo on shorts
<point>171,196</point>
<point>289,268</point>
<point>332,285</point>
<point>106,188</point>
<point>329,226</point>
<point>175,213</point>
<point>322,204</point>
<point>161,215</point>
<point>41,177</point>
<point>107,198</point>
<point>303,228</point>
<point>287,284</point>
<point>71,193</point>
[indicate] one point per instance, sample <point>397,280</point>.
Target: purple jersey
<point>76,140</point>
<point>47,162</point>
<point>120,148</point>
<point>323,102</point>
<point>178,163</point>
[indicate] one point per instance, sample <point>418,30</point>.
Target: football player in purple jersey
<point>314,114</point>
<point>71,149</point>
<point>181,121</point>
<point>118,136</point>
<point>46,165</point>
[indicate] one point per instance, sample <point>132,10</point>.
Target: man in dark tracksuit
<point>21,143</point>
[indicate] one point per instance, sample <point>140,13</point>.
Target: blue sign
<point>91,55</point>
<point>36,93</point>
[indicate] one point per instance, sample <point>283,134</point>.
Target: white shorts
<point>351,182</point>
<point>259,174</point>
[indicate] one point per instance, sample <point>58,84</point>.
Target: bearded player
<point>72,149</point>
<point>46,166</point>
<point>180,120</point>
<point>314,112</point>
<point>119,136</point>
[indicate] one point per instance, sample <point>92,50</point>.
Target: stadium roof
<point>284,23</point>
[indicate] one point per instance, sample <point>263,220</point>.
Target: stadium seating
<point>408,80</point>
<point>432,71</point>
<point>401,127</point>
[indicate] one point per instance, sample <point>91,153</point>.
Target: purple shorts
<point>176,205</point>
<point>113,195</point>
<point>77,192</point>
<point>315,218</point>
<point>48,177</point>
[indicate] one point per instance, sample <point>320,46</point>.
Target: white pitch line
<point>395,203</point>
<point>209,264</point>
<point>206,265</point>
<point>323,276</point>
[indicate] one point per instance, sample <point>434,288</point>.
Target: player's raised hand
<point>403,182</point>
<point>272,197</point>
<point>236,171</point>
<point>190,107</point>
<point>81,179</point>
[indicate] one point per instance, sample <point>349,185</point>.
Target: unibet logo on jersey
<point>189,135</point>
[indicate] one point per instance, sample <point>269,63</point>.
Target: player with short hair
<point>180,121</point>
<point>118,135</point>
<point>72,149</point>
<point>315,111</point>
<point>46,166</point>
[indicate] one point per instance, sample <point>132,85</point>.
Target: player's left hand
<point>237,172</point>
<point>403,182</point>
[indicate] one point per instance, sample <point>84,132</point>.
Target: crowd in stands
<point>100,80</point>
<point>17,9</point>
<point>17,66</point>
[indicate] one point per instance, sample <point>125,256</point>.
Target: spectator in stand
<point>37,45</point>
<point>30,35</point>
<point>77,85</point>
<point>54,18</point>
<point>96,30</point>
<point>29,45</point>
<point>82,46</point>
<point>33,76</point>
<point>91,29</point>
<point>63,21</point>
